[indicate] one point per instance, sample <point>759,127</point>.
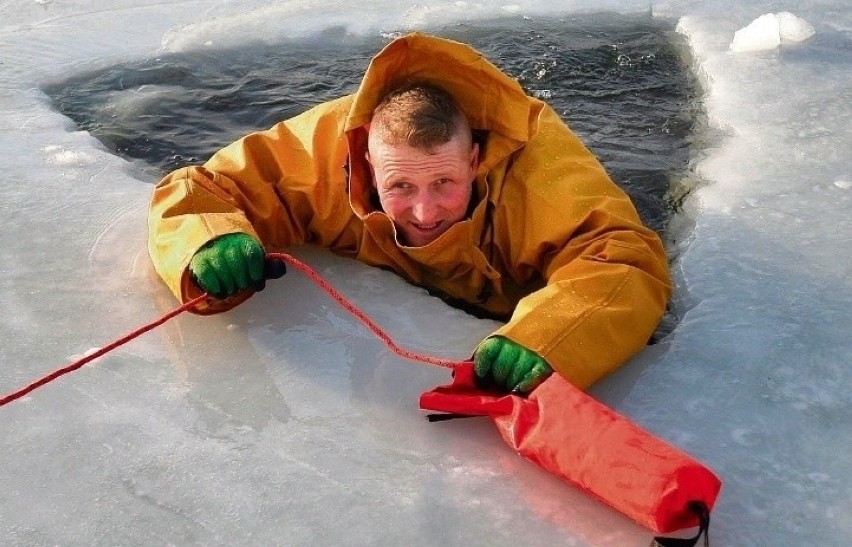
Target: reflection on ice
<point>64,157</point>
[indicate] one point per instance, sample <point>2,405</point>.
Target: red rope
<point>360,315</point>
<point>106,349</point>
<point>299,265</point>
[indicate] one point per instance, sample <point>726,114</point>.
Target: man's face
<point>424,192</point>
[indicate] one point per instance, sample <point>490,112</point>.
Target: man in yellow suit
<point>443,170</point>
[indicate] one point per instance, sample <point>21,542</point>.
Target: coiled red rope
<point>294,262</point>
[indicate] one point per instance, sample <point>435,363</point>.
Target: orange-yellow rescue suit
<point>551,242</point>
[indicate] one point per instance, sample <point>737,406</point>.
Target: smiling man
<point>423,161</point>
<point>442,169</point>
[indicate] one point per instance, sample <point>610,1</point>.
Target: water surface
<point>618,80</point>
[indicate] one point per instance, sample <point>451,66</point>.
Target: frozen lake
<point>284,422</point>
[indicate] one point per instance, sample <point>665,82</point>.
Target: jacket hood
<point>490,99</point>
<point>493,102</point>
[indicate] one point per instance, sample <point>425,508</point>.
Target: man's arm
<point>194,206</point>
<point>607,281</point>
<point>268,185</point>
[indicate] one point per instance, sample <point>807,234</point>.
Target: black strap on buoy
<point>443,417</point>
<point>703,513</point>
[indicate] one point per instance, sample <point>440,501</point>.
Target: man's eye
<point>445,184</point>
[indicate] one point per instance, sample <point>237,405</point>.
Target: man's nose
<point>424,209</point>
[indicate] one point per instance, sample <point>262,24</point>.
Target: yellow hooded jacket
<point>551,243</point>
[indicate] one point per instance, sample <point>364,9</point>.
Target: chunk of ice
<point>793,28</point>
<point>762,34</point>
<point>769,31</point>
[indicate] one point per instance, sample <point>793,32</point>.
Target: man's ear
<point>372,171</point>
<point>474,156</point>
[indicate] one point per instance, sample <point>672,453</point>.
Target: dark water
<point>618,81</point>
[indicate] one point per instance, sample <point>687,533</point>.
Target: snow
<point>284,422</point>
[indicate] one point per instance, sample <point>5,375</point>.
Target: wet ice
<point>204,434</point>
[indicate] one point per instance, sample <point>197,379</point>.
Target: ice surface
<point>285,423</point>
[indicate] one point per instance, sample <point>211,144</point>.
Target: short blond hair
<point>422,116</point>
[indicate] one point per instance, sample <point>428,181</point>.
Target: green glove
<point>507,366</point>
<point>229,264</point>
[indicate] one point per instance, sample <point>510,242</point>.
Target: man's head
<point>423,161</point>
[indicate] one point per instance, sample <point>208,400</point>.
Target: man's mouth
<point>426,228</point>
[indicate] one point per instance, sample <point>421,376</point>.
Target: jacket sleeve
<point>271,185</point>
<point>606,276</point>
